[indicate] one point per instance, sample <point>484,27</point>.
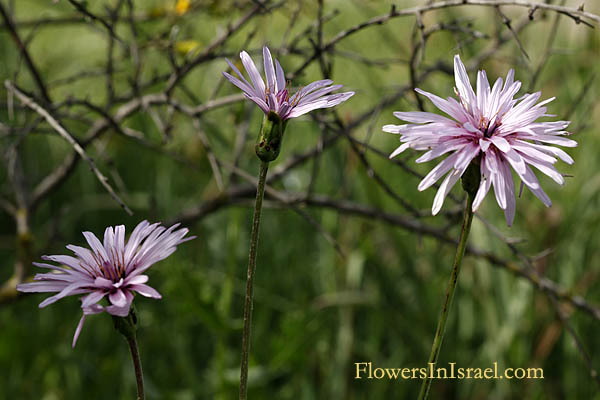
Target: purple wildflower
<point>274,96</point>
<point>492,128</point>
<point>114,269</point>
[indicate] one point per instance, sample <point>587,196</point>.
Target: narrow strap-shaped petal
<point>498,178</point>
<point>78,330</point>
<point>436,173</point>
<point>249,90</point>
<point>269,71</point>
<point>399,150</point>
<point>96,245</point>
<point>135,280</point>
<point>71,262</point>
<point>42,286</point>
<point>420,117</point>
<point>93,298</point>
<point>315,95</point>
<point>442,104</point>
<point>240,75</point>
<point>465,155</point>
<point>139,233</point>
<point>509,188</point>
<point>442,149</point>
<point>546,168</point>
<point>325,102</point>
<point>483,91</point>
<point>484,184</point>
<point>109,239</point>
<point>120,241</point>
<point>316,85</point>
<point>255,77</point>
<point>280,76</point>
<point>259,102</point>
<point>463,84</point>
<point>540,194</point>
<point>444,189</point>
<point>146,291</point>
<point>549,150</point>
<point>101,282</point>
<point>70,289</point>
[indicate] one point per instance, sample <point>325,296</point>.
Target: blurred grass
<point>305,338</point>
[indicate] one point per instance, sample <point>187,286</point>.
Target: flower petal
<point>117,298</point>
<point>92,298</point>
<point>269,71</point>
<point>463,84</point>
<point>78,330</point>
<point>484,184</point>
<point>442,192</point>
<point>325,102</point>
<point>121,311</point>
<point>437,172</point>
<point>146,291</point>
<point>259,85</point>
<point>135,280</point>
<point>70,289</point>
<point>96,245</point>
<point>280,76</point>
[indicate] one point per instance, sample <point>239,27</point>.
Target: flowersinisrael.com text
<point>366,370</point>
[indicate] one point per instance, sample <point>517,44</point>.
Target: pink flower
<point>492,128</point>
<point>113,269</point>
<point>274,96</point>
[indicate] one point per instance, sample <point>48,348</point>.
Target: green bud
<point>271,134</point>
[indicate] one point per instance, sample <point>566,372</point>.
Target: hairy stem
<point>441,327</point>
<point>260,191</point>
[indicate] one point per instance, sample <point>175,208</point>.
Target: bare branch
<point>69,138</point>
<point>28,60</point>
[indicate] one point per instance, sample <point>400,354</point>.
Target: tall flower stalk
<point>260,192</point>
<point>470,182</point>
<point>484,135</point>
<point>113,270</point>
<point>274,99</point>
<point>127,327</point>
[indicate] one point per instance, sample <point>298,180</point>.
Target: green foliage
<point>316,312</point>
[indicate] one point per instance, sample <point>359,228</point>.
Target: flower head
<point>274,95</point>
<point>492,128</point>
<point>113,269</point>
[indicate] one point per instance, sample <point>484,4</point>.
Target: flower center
<point>111,271</point>
<point>283,96</point>
<point>486,128</point>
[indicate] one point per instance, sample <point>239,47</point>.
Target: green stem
<point>260,191</point>
<point>441,327</point>
<point>137,365</point>
<point>126,325</point>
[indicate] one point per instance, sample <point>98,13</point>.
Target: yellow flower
<point>185,47</point>
<point>182,6</point>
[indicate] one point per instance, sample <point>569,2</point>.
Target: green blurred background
<point>316,312</point>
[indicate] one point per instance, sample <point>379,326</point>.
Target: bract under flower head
<point>494,127</point>
<point>113,269</point>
